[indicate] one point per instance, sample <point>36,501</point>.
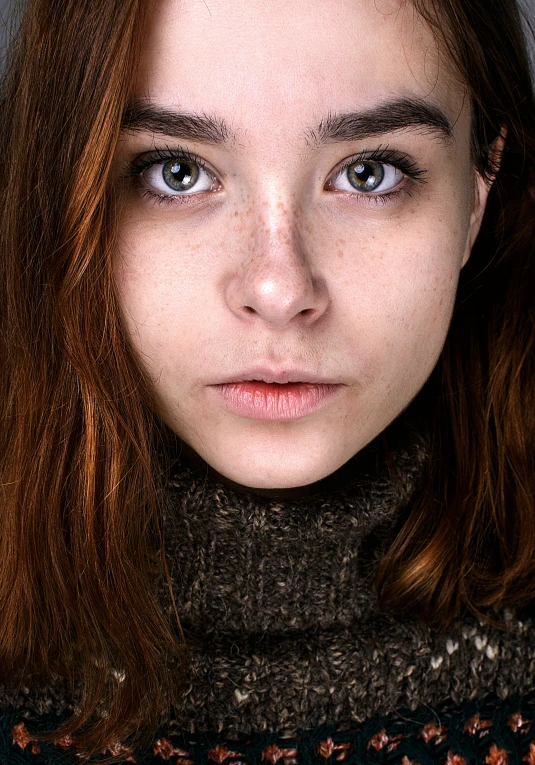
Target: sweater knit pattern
<point>280,594</point>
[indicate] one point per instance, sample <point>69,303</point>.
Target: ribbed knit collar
<point>248,563</point>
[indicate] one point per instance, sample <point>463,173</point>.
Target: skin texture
<point>279,262</point>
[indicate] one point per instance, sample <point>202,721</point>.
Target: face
<point>297,204</point>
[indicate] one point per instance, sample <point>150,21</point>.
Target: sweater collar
<point>241,561</point>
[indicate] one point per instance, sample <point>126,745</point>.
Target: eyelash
<point>160,157</point>
<point>383,155</point>
<point>386,156</point>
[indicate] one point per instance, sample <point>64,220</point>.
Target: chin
<point>287,472</point>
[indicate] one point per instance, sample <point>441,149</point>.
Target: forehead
<point>263,64</point>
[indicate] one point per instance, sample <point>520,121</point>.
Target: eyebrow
<point>149,118</point>
<point>387,117</point>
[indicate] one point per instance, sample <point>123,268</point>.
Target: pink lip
<point>276,374</point>
<point>275,401</point>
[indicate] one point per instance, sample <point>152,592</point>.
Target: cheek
<point>397,288</point>
<point>161,278</point>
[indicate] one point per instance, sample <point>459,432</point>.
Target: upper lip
<point>280,375</point>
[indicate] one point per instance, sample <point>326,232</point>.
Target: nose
<point>276,281</point>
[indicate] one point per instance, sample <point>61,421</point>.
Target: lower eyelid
<point>357,198</point>
<point>184,198</point>
<point>174,199</point>
<point>369,199</point>
<point>404,184</point>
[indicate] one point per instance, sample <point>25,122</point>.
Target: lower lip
<point>272,401</point>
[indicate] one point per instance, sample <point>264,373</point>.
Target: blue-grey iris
<point>180,176</point>
<point>366,175</point>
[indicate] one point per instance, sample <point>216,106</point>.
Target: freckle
<point>236,214</point>
<point>341,245</point>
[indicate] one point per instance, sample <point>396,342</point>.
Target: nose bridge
<point>276,238</point>
<point>277,282</point>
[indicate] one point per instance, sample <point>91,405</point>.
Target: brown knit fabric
<point>280,595</point>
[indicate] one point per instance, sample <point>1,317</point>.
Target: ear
<point>482,187</point>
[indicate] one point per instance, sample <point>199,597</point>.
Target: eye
<point>368,176</point>
<point>177,177</point>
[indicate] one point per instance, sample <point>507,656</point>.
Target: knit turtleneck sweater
<point>291,659</point>
<point>280,592</point>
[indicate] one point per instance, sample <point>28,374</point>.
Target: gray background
<point>6,7</point>
<point>6,17</point>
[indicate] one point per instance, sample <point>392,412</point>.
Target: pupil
<point>180,176</point>
<point>363,173</point>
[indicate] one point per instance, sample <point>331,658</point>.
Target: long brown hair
<point>79,476</point>
<point>82,475</point>
<point>469,540</point>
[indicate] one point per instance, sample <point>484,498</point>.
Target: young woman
<point>267,443</point>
